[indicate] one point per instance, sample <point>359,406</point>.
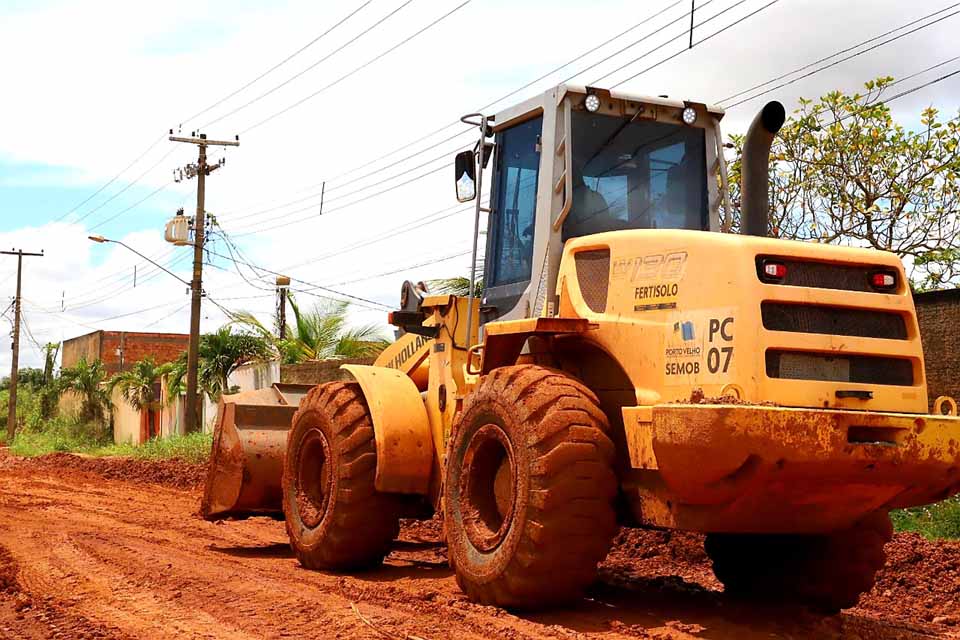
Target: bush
<point>193,447</point>
<point>62,433</point>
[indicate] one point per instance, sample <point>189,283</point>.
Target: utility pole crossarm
<point>204,141</point>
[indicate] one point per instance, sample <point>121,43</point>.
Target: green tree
<point>843,172</point>
<point>137,384</point>
<point>219,355</point>
<point>50,391</point>
<point>322,333</point>
<point>28,376</point>
<point>86,380</point>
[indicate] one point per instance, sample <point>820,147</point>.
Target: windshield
<point>635,174</point>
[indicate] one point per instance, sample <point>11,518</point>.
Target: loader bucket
<point>246,462</point>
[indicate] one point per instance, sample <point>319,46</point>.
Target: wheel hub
<point>487,491</point>
<point>313,478</point>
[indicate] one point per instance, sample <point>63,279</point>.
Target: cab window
<point>514,202</point>
<point>636,174</point>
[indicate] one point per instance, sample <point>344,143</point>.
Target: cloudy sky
<point>91,88</point>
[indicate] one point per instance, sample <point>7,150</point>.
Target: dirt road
<point>87,554</point>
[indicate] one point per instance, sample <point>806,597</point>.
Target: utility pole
<point>14,367</point>
<point>283,283</point>
<point>200,170</point>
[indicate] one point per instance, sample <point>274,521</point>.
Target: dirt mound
<point>920,582</point>
<point>170,473</point>
<point>644,552</point>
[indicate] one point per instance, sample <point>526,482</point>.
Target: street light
<point>102,240</point>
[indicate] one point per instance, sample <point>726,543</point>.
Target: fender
<point>401,429</point>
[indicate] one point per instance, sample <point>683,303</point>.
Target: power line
<point>504,97</point>
<point>695,44</point>
<point>111,180</point>
<point>279,64</point>
<point>353,298</point>
<point>312,66</point>
<point>169,315</point>
<point>833,55</point>
<point>124,189</point>
<point>274,220</point>
<point>348,205</point>
<point>703,22</point>
<point>402,269</point>
<point>356,70</point>
<point>162,187</point>
<point>845,59</point>
<point>500,99</point>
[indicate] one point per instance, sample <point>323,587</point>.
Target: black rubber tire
<point>335,517</point>
<point>532,538</point>
<point>826,573</point>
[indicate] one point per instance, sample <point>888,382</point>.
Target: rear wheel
<point>335,517</point>
<point>825,572</point>
<point>529,489</point>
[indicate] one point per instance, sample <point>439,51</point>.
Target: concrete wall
<point>258,375</point>
<point>938,313</point>
<point>69,403</point>
<point>317,371</point>
<point>126,420</point>
<point>74,349</point>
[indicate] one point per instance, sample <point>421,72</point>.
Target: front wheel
<point>335,517</point>
<point>529,489</point>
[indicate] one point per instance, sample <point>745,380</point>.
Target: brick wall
<point>938,313</point>
<point>104,345</point>
<point>164,347</point>
<point>318,371</point>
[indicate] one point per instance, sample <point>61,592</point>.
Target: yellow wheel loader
<point>627,363</point>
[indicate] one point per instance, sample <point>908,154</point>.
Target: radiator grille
<point>795,365</point>
<point>593,276</point>
<point>799,318</point>
<point>823,275</point>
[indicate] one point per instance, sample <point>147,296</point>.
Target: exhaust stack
<point>755,180</point>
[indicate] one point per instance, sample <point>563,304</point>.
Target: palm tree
<point>219,355</point>
<point>320,334</point>
<point>86,380</point>
<point>221,352</point>
<point>458,286</point>
<point>137,384</point>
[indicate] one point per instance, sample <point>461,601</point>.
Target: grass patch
<point>66,434</point>
<point>62,433</point>
<point>193,447</point>
<point>935,521</point>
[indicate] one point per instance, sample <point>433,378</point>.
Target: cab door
<point>510,227</point>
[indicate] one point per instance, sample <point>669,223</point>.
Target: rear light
<point>774,271</point>
<point>883,280</point>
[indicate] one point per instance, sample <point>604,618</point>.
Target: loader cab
<point>578,161</point>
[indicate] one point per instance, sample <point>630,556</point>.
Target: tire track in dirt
<point>124,559</point>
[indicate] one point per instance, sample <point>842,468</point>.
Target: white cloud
<point>97,81</point>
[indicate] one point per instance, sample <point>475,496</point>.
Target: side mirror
<point>465,170</point>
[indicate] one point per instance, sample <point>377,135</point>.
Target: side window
<point>515,202</point>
